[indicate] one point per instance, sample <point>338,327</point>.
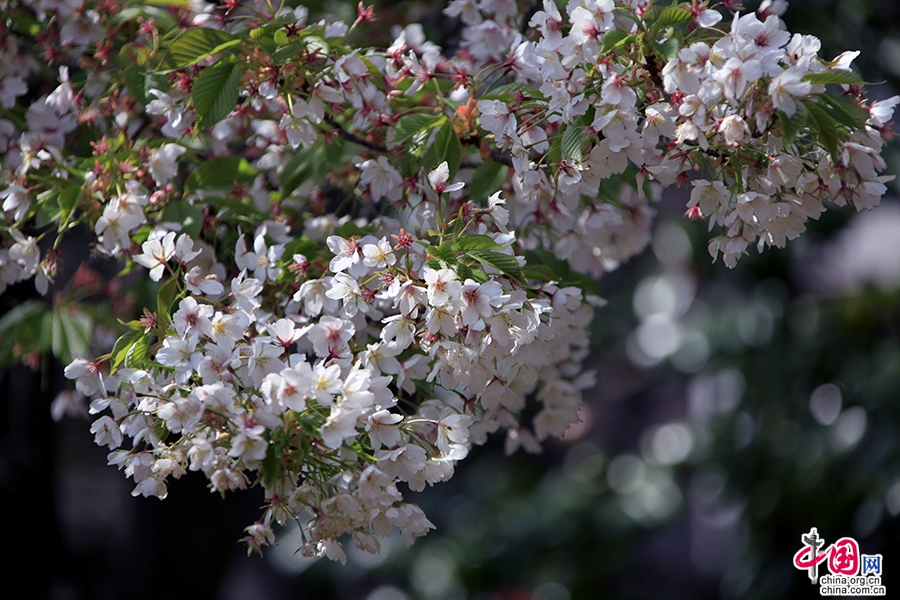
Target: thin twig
<point>352,137</point>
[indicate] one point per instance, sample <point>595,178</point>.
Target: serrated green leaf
<point>444,252</point>
<point>467,272</point>
<point>793,125</point>
<point>220,173</point>
<point>475,242</point>
<point>196,44</point>
<point>844,110</point>
<point>672,15</point>
<point>121,348</point>
<point>446,147</point>
<point>216,92</point>
<point>189,217</point>
<point>540,272</point>
<point>572,142</point>
<point>487,179</point>
<point>505,263</point>
<point>137,352</point>
<point>410,125</point>
<point>827,128</point>
<point>834,76</point>
<point>136,81</point>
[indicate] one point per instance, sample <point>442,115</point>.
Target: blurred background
<point>734,410</point>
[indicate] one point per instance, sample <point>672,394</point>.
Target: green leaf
<point>78,326</point>
<point>466,272</point>
<point>190,217</point>
<point>68,199</point>
<point>834,76</point>
<point>71,330</point>
<point>828,133</point>
<point>555,154</point>
<point>164,300</point>
<point>303,245</point>
<point>572,141</point>
<point>137,352</point>
<point>220,173</point>
<point>215,93</point>
<point>299,168</point>
<point>794,124</point>
<point>668,49</point>
<point>444,252</point>
<point>136,81</point>
<point>273,25</point>
<point>196,44</point>
<point>271,467</point>
<point>502,262</point>
<point>540,272</point>
<point>22,330</point>
<point>475,242</point>
<point>618,41</point>
<point>672,15</point>
<point>281,56</point>
<point>121,348</point>
<point>58,337</point>
<point>334,152</point>
<point>611,38</point>
<point>544,261</point>
<point>410,125</point>
<point>446,147</point>
<point>238,207</point>
<point>501,92</point>
<point>351,229</point>
<point>487,179</point>
<point>844,110</point>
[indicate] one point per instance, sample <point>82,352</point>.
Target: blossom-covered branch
<point>368,259</point>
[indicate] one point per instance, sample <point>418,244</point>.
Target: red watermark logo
<point>851,573</point>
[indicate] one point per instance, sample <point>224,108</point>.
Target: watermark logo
<point>850,573</point>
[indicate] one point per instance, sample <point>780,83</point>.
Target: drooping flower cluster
<point>370,259</point>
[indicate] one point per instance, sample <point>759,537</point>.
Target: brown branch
<point>526,16</point>
<point>352,137</point>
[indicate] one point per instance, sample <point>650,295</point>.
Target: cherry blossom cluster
<point>382,370</point>
<point>365,260</point>
<point>731,104</point>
